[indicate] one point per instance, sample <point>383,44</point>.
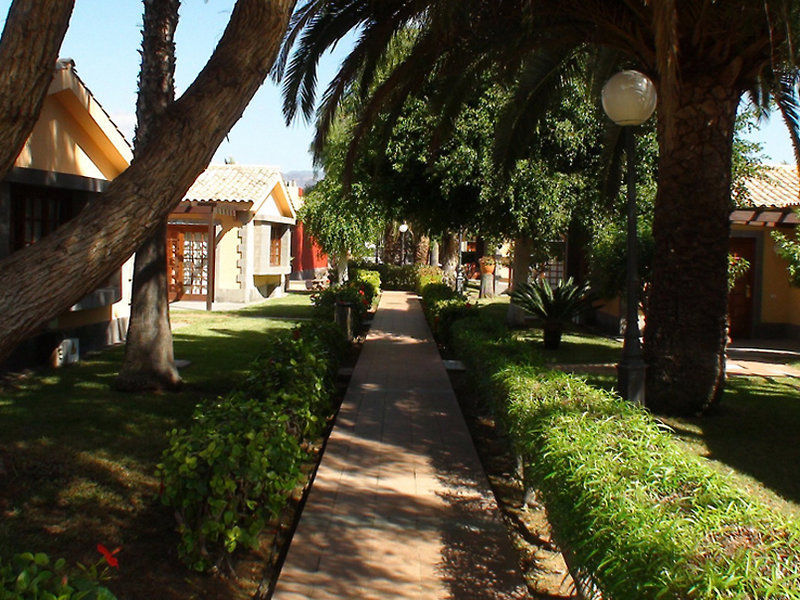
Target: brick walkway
<point>400,507</point>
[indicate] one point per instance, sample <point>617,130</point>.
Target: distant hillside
<point>303,178</point>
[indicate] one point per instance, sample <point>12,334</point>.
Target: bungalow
<point>229,239</point>
<point>763,304</point>
<point>72,153</point>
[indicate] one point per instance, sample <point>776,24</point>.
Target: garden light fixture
<point>629,99</point>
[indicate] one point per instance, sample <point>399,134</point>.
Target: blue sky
<point>104,38</point>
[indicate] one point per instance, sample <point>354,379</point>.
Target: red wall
<point>307,255</point>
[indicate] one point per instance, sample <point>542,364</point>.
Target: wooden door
<point>187,262</point>
<point>741,297</point>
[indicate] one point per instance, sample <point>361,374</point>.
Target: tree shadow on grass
<point>754,431</point>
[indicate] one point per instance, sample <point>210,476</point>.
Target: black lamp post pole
<point>460,267</point>
<point>631,369</point>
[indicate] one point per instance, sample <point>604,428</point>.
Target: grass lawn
<point>78,459</point>
<point>752,436</point>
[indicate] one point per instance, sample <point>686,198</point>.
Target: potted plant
<point>555,306</point>
<point>487,264</point>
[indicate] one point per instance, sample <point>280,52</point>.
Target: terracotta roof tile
<point>234,183</point>
<point>779,188</point>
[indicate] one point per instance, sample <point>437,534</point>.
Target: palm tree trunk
<point>149,362</point>
<point>32,36</point>
<point>685,337</point>
<point>450,257</point>
<point>421,249</point>
<point>82,253</point>
<point>520,269</point>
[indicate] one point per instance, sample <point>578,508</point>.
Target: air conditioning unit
<point>67,353</point>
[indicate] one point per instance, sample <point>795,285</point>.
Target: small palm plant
<point>555,306</point>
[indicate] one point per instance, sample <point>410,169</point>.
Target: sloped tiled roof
<point>779,188</point>
<point>234,183</point>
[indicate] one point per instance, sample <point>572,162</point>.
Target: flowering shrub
<point>358,294</point>
<point>230,472</point>
<point>427,275</point>
<point>31,576</point>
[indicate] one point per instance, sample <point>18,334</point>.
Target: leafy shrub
<point>643,517</point>
<point>228,475</point>
<point>31,576</point>
<point>443,306</point>
<point>397,277</point>
<point>427,275</point>
<point>369,276</point>
<point>359,294</point>
<point>231,470</point>
<point>737,267</point>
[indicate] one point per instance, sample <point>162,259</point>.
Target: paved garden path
<point>400,507</point>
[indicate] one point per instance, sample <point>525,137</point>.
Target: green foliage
<point>369,276</point>
<point>358,294</point>
<point>608,256</point>
<point>427,275</point>
<point>339,222</point>
<point>644,518</point>
<point>737,267</point>
<point>29,576</point>
<point>443,306</point>
<point>789,250</point>
<point>553,305</point>
<point>230,472</point>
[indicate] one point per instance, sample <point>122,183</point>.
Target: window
<point>37,211</point>
<point>275,241</point>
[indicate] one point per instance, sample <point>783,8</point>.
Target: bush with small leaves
<point>642,517</point>
<point>30,576</point>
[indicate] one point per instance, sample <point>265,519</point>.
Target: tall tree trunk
<point>520,268</point>
<point>82,253</point>
<point>340,260</point>
<point>450,257</point>
<point>149,362</point>
<point>434,253</point>
<point>421,249</point>
<point>391,245</point>
<point>29,48</point>
<point>684,340</point>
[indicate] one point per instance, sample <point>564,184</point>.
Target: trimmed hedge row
<point>443,306</point>
<point>231,471</point>
<point>411,278</point>
<point>644,518</point>
<point>370,276</point>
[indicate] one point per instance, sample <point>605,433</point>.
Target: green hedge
<point>370,276</point>
<point>411,278</point>
<point>643,517</point>
<point>231,471</point>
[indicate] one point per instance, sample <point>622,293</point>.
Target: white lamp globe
<point>629,98</point>
<point>403,228</point>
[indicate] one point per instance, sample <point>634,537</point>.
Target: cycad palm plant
<point>555,306</point>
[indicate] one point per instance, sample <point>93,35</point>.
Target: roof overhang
<point>204,207</point>
<point>768,216</point>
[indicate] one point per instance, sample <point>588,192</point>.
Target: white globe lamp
<point>629,98</point>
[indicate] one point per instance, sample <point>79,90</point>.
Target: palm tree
<point>702,55</point>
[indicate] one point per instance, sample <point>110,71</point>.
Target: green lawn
<point>752,436</point>
<point>79,458</point>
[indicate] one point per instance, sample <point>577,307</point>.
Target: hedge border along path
<point>644,518</point>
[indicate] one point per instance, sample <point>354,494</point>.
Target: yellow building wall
<point>228,256</point>
<point>59,143</point>
<point>780,302</point>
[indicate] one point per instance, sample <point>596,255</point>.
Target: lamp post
<point>403,228</point>
<point>629,99</point>
<point>460,267</point>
